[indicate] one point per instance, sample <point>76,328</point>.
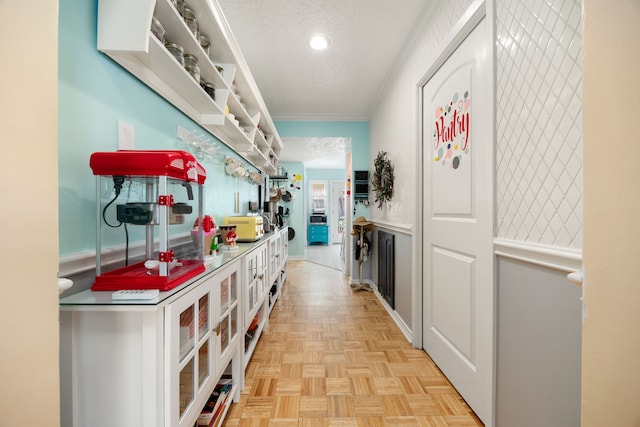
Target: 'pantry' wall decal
<point>451,133</point>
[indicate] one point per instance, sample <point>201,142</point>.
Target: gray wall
<point>538,347</point>
<point>403,269</point>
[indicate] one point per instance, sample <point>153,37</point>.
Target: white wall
<point>539,122</point>
<point>611,342</point>
<point>29,380</point>
<point>393,122</point>
<point>538,119</point>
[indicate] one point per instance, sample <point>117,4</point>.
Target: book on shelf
<point>212,409</point>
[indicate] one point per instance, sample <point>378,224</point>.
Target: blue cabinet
<point>318,233</point>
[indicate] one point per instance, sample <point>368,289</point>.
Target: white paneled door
<point>338,211</point>
<point>457,223</point>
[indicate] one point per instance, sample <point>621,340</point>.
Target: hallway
<point>334,357</point>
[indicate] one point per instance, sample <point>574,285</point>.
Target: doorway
<point>456,251</point>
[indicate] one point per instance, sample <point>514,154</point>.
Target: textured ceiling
<point>341,83</point>
<point>316,153</point>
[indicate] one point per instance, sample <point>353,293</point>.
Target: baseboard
<point>404,328</point>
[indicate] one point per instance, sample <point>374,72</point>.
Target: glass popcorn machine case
<point>149,205</point>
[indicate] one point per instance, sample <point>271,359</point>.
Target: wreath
<point>382,181</point>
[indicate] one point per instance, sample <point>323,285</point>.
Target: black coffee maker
<point>266,217</point>
<point>279,216</point>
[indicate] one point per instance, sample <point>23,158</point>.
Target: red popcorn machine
<point>147,204</point>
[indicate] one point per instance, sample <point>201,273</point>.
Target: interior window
<point>318,197</point>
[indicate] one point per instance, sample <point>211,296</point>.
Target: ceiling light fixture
<point>319,42</point>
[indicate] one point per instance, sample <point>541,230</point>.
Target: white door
<point>457,211</point>
<point>338,211</point>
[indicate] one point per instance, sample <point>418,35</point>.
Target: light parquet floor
<point>327,255</point>
<point>334,357</point>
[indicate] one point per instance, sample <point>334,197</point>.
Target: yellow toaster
<point>248,228</point>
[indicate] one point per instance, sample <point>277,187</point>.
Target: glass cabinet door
<point>223,327</point>
<point>252,267</point>
<point>262,269</point>
<point>185,359</point>
<point>284,247</point>
<point>190,354</point>
<point>262,259</point>
<point>227,314</point>
<point>274,254</point>
<point>256,282</point>
<point>187,392</point>
<point>187,332</point>
<point>251,295</point>
<point>204,348</point>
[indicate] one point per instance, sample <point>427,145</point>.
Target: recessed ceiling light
<point>319,42</point>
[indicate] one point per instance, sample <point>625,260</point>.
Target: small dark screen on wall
<point>361,184</point>
<point>361,176</point>
<point>362,188</point>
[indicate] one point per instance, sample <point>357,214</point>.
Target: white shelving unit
<point>202,337</point>
<point>150,363</point>
<point>154,363</point>
<point>279,247</point>
<point>124,35</point>
<point>265,267</point>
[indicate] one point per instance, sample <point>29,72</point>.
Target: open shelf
<point>124,35</point>
<point>250,344</point>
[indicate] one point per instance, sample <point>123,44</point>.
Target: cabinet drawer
<point>318,233</point>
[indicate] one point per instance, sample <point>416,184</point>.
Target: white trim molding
<point>400,228</point>
<point>562,259</point>
<point>404,328</point>
<point>83,261</point>
<point>76,263</point>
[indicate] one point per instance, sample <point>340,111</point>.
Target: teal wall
<point>95,92</point>
<point>326,175</point>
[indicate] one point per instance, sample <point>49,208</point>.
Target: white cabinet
<point>155,363</point>
<point>191,345</point>
<point>256,279</point>
<point>284,255</point>
<point>227,314</point>
<point>284,246</point>
<point>124,34</point>
<point>255,317</point>
<point>278,254</point>
<point>275,248</point>
<point>151,364</point>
